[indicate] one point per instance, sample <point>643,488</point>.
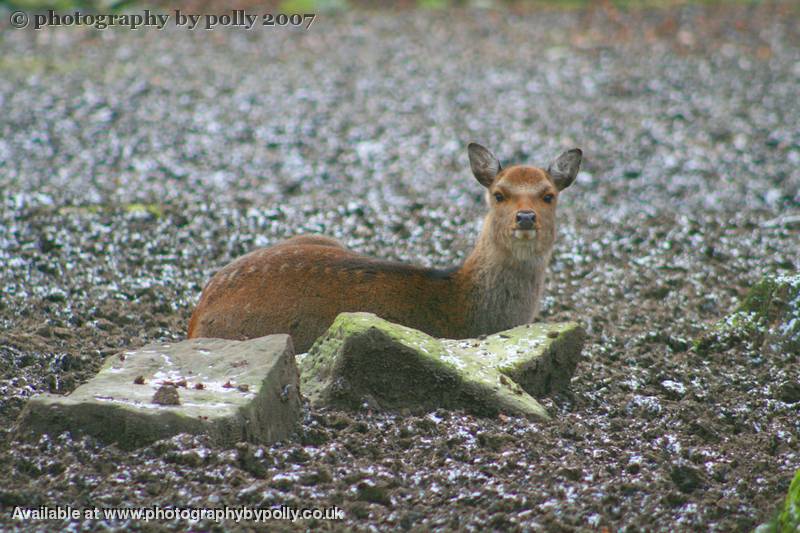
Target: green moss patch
<point>363,359</point>
<point>768,318</point>
<point>788,519</point>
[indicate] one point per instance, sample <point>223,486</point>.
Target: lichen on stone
<point>116,407</point>
<point>364,359</point>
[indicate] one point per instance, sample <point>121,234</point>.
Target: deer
<point>299,286</point>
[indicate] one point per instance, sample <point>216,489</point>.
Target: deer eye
<point>548,198</point>
<point>499,197</point>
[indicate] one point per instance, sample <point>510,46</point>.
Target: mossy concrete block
<point>363,358</point>
<point>541,358</point>
<point>768,319</point>
<point>231,390</point>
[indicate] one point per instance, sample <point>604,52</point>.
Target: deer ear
<point>484,164</point>
<point>564,169</point>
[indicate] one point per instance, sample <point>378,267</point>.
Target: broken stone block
<point>231,390</point>
<point>365,359</point>
<point>541,358</point>
<point>768,319</point>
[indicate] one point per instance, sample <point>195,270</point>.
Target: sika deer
<point>300,285</point>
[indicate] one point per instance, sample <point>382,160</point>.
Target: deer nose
<point>525,219</point>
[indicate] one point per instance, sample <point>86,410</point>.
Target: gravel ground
<point>135,164</point>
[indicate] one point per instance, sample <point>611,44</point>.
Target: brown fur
<point>300,285</point>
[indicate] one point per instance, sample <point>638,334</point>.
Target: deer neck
<point>505,283</point>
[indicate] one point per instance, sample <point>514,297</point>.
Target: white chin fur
<point>524,235</point>
<point>523,245</point>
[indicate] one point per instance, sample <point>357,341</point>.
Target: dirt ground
<point>133,165</point>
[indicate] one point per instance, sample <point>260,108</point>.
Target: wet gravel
<point>135,164</point>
